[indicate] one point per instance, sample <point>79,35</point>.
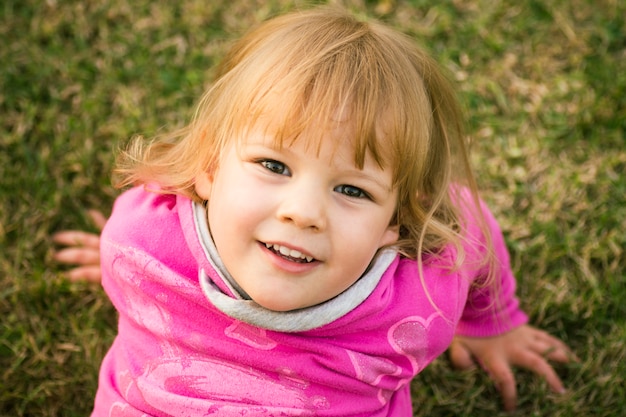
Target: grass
<point>544,85</point>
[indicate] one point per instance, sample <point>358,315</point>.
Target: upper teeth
<point>288,252</point>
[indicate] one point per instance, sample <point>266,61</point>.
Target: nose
<point>304,207</point>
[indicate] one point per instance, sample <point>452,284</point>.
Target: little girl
<point>310,242</point>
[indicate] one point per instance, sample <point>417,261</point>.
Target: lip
<point>286,265</point>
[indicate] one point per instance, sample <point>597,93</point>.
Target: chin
<point>278,305</point>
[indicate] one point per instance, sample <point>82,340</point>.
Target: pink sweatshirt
<point>189,345</point>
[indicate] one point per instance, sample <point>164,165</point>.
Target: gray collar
<point>242,308</point>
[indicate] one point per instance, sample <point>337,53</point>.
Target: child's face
<point>294,227</point>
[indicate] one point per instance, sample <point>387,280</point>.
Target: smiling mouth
<point>289,254</point>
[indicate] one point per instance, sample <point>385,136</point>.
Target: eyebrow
<point>367,177</point>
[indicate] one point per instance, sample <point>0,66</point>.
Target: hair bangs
<point>342,76</point>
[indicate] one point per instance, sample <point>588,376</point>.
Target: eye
<point>275,166</point>
<point>351,191</point>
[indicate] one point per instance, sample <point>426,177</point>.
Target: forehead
<point>339,125</point>
<point>335,138</point>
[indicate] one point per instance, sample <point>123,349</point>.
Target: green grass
<point>544,85</point>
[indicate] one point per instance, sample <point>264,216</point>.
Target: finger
<point>559,354</point>
<point>547,349</point>
<point>504,379</point>
<point>85,273</point>
<point>564,356</point>
<point>77,238</point>
<point>460,357</point>
<point>539,365</point>
<point>550,347</point>
<point>558,351</point>
<point>78,256</point>
<point>553,380</point>
<point>98,218</point>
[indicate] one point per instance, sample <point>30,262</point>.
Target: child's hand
<point>83,249</point>
<point>524,346</point>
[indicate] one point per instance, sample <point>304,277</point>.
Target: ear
<point>390,235</point>
<point>203,185</point>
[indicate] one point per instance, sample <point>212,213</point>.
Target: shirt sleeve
<point>492,307</point>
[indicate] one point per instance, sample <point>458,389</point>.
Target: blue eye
<point>275,166</point>
<point>351,191</point>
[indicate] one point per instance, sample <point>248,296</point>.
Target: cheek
<point>390,236</point>
<point>358,245</point>
<point>235,208</point>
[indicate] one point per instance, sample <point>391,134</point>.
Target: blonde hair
<point>403,110</point>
